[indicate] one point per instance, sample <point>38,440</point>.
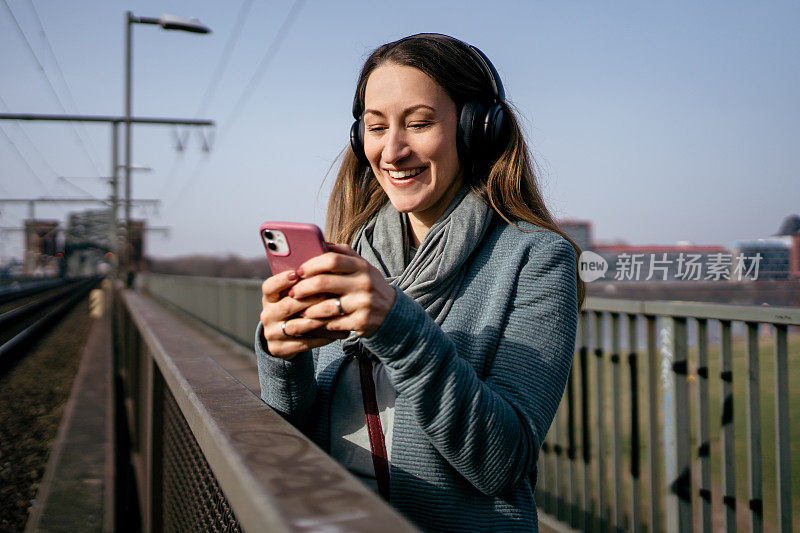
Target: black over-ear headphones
<point>482,126</point>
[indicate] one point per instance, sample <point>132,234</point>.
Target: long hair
<point>509,185</point>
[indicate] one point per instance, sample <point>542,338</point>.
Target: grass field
<point>767,384</point>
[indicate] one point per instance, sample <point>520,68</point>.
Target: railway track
<point>26,323</point>
<point>10,293</point>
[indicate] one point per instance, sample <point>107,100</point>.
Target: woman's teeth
<point>405,173</point>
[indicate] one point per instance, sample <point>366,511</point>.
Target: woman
<point>460,290</point>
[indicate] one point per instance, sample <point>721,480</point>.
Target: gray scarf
<point>434,275</point>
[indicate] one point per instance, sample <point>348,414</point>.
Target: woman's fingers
<point>288,307</point>
<point>288,348</point>
<point>343,249</point>
<point>328,284</point>
<point>273,314</point>
<point>288,337</point>
<point>349,314</point>
<point>292,328</point>
<point>334,262</point>
<point>285,334</point>
<point>274,285</point>
<point>329,307</point>
<point>340,274</point>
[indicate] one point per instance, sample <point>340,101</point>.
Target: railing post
<point>635,438</point>
<point>616,441</point>
<point>652,425</point>
<point>704,448</point>
<point>728,458</point>
<point>572,458</point>
<point>677,469</point>
<point>753,394</point>
<point>782,464</point>
<point>585,427</point>
<point>600,416</point>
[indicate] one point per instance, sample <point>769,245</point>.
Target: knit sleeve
<point>289,387</point>
<point>490,430</point>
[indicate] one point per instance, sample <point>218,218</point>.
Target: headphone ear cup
<point>468,133</point>
<point>357,141</point>
<point>495,131</point>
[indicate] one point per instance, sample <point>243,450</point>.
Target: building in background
<point>41,247</point>
<point>86,243</point>
<point>790,227</point>
<point>774,254</point>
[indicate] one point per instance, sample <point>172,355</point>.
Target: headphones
<point>482,126</point>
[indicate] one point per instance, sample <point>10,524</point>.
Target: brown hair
<point>509,185</point>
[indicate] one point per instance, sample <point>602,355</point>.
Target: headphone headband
<point>483,62</point>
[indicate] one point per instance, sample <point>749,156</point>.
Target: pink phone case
<point>304,241</point>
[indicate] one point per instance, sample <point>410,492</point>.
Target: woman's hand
<point>287,335</point>
<point>364,296</point>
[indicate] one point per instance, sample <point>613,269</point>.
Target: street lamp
<point>168,22</point>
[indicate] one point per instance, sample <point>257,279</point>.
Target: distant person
<point>460,292</point>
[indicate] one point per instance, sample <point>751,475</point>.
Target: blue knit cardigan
<point>475,397</point>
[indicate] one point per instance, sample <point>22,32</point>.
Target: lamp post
<point>115,206</point>
<point>167,22</point>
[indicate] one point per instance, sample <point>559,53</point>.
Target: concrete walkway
<point>76,493</point>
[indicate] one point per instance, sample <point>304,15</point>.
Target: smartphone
<point>289,245</point>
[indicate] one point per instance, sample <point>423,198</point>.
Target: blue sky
<point>659,123</point>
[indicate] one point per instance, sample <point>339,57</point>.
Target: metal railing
<point>231,306</point>
<point>637,443</point>
<point>591,466</point>
<point>208,454</point>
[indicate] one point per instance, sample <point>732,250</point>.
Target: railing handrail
<point>213,280</point>
<point>745,313</point>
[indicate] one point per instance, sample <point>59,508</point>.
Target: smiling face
<point>410,141</point>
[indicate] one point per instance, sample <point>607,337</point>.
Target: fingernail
<point>292,276</point>
<point>300,272</point>
<point>291,293</point>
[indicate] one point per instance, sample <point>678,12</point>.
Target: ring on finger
<point>283,329</point>
<point>338,303</point>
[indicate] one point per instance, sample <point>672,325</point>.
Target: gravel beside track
<point>32,398</point>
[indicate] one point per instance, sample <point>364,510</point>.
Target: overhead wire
<point>71,98</point>
<point>77,188</point>
<point>261,69</point>
<point>30,142</point>
<point>39,64</point>
<point>24,159</point>
<point>269,55</point>
<point>223,62</point>
<point>211,89</point>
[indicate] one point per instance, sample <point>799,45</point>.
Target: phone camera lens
<point>272,246</point>
<point>268,234</point>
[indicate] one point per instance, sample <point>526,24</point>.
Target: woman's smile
<point>407,178</point>
<point>403,174</point>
